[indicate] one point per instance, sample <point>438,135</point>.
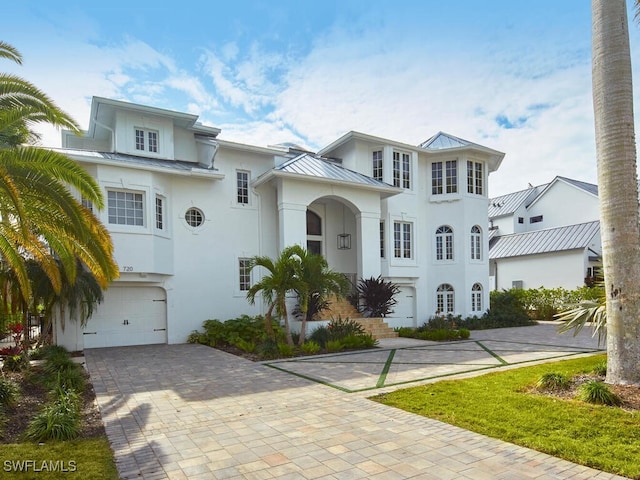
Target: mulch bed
<point>628,394</point>
<point>33,397</point>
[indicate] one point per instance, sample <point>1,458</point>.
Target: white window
<point>476,243</point>
<point>445,301</point>
<point>244,272</point>
<point>402,240</point>
<point>475,179</point>
<point>194,217</point>
<point>444,243</point>
<point>88,204</point>
<point>242,187</point>
<point>382,239</point>
<point>146,140</point>
<point>401,170</point>
<point>159,213</point>
<point>125,208</point>
<point>377,165</point>
<point>476,298</point>
<point>451,176</point>
<point>436,178</point>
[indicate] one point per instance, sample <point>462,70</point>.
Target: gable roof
<point>320,169</point>
<point>509,203</point>
<point>570,237</point>
<point>587,187</point>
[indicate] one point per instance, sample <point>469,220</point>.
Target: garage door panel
<point>128,316</point>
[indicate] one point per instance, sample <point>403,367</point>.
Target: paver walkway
<point>193,412</point>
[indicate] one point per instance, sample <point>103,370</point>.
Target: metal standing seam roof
<point>309,165</point>
<point>177,165</point>
<point>441,141</point>
<point>509,203</point>
<point>587,187</point>
<point>549,240</point>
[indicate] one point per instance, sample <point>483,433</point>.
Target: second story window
<point>146,140</point>
<point>159,213</point>
<point>402,240</point>
<point>242,179</point>
<point>474,178</point>
<point>536,219</point>
<point>436,178</point>
<point>444,243</point>
<point>377,165</point>
<point>452,176</point>
<point>125,208</point>
<point>401,170</point>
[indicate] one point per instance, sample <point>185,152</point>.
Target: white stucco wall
<point>563,269</point>
<point>563,204</point>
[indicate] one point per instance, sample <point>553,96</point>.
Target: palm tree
<point>317,283</point>
<point>40,219</point>
<point>617,187</point>
<point>280,279</point>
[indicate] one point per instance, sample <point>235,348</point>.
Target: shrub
<point>285,350</point>
<point>553,381</point>
<point>377,296</point>
<point>214,331</point>
<point>59,420</point>
<point>595,391</point>
<point>16,363</point>
<point>245,345</point>
<point>320,336</point>
<point>407,332</point>
<point>310,347</point>
<point>600,369</point>
<point>268,349</point>
<point>334,346</point>
<point>464,333</point>
<point>507,310</point>
<point>9,392</point>
<point>339,328</point>
<point>197,337</point>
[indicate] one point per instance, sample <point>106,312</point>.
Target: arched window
<point>444,243</point>
<point>445,301</point>
<point>314,233</point>
<point>476,243</point>
<point>476,298</point>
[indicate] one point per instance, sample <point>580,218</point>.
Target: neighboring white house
<point>545,236</point>
<point>187,210</point>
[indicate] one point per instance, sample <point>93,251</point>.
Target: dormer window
<point>146,140</point>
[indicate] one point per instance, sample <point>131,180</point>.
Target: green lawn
<point>90,459</point>
<point>502,405</point>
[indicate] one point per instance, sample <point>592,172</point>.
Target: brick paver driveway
<point>193,412</point>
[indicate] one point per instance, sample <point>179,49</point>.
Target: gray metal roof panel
<point>587,187</point>
<point>509,203</point>
<point>549,240</point>
<point>441,141</point>
<point>309,165</point>
<point>179,165</point>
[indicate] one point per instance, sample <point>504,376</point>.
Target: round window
<point>194,217</point>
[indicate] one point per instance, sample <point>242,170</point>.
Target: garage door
<point>404,311</point>
<point>128,316</point>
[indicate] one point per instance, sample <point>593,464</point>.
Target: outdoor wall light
<point>344,241</point>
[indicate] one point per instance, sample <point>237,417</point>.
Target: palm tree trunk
<point>287,328</point>
<point>268,322</point>
<point>617,187</point>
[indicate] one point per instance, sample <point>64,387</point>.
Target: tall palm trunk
<point>618,187</point>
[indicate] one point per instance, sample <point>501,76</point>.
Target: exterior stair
<point>374,326</point>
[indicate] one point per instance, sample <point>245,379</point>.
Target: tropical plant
<point>40,218</point>
<point>280,279</point>
<point>587,312</point>
<point>377,296</point>
<point>617,186</point>
<point>553,381</point>
<point>595,391</point>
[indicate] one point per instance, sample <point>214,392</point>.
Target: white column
<point>368,224</point>
<point>292,225</point>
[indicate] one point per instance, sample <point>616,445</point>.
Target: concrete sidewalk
<point>193,412</point>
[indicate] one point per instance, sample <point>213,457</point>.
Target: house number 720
<point>127,268</point>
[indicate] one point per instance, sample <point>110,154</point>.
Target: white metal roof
<point>509,203</point>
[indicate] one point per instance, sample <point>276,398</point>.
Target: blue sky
<point>512,75</point>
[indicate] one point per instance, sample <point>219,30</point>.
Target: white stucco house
<point>187,209</point>
<point>545,236</point>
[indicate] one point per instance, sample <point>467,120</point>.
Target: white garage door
<point>128,316</point>
<point>404,311</point>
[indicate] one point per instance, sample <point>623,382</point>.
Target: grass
<point>91,458</point>
<point>504,405</point>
